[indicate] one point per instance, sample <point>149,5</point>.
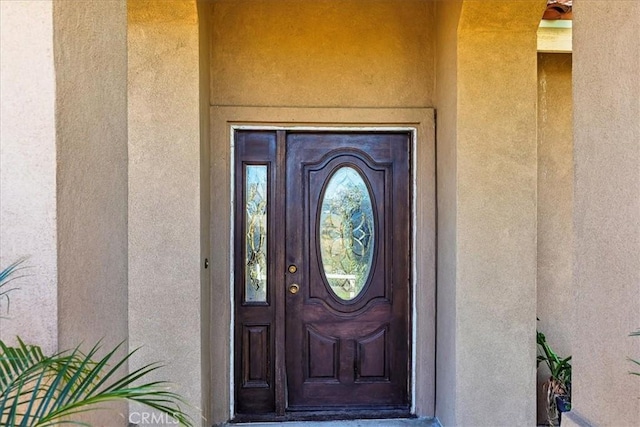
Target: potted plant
<point>558,387</point>
<point>42,390</point>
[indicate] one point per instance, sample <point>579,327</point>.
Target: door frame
<point>419,123</point>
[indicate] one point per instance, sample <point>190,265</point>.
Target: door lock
<point>294,288</point>
<point>293,268</point>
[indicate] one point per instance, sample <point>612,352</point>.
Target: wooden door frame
<point>419,122</point>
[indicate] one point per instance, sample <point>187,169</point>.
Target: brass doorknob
<point>294,288</point>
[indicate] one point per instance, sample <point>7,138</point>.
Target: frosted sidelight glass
<point>255,205</point>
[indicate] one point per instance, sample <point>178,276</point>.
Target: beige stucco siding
<point>348,55</point>
<point>104,169</point>
<point>606,218</point>
<point>91,141</point>
<point>496,227</point>
<point>164,193</point>
<point>555,206</point>
<point>492,226</point>
<point>355,53</point>
<point>91,129</point>
<point>207,316</point>
<point>28,170</point>
<point>447,17</point>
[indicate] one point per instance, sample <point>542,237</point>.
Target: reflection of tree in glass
<point>346,233</point>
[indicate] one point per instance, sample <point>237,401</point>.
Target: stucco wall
<point>91,130</point>
<point>350,54</point>
<point>64,172</point>
<point>447,18</point>
<point>355,53</point>
<point>164,192</point>
<point>207,316</point>
<point>495,217</point>
<point>91,126</point>
<point>606,214</point>
<point>28,170</point>
<point>555,206</point>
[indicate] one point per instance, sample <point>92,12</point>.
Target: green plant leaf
<point>634,334</point>
<point>559,368</point>
<point>70,383</point>
<point>7,275</point>
<point>37,390</point>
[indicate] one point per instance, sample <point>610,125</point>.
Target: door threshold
<point>325,415</point>
<point>375,422</point>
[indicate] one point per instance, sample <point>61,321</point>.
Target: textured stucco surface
<point>90,54</point>
<point>447,18</point>
<point>91,126</point>
<point>363,53</point>
<point>28,170</point>
<point>496,213</point>
<point>555,206</point>
<point>487,177</point>
<point>606,88</point>
<point>207,317</point>
<point>164,192</point>
<point>294,54</point>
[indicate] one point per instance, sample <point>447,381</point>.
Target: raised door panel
<point>322,356</point>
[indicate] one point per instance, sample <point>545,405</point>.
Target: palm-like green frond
<point>39,390</point>
<point>7,275</point>
<point>15,362</point>
<point>637,362</point>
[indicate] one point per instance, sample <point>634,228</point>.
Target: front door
<point>322,272</point>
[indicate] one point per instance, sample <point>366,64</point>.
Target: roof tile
<point>558,9</point>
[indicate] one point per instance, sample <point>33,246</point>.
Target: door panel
<point>254,249</point>
<point>359,345</point>
<point>322,239</point>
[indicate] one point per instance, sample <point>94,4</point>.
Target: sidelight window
<point>255,205</point>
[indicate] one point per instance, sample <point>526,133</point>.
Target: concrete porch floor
<point>394,422</point>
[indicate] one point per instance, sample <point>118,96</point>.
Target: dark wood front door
<point>322,272</point>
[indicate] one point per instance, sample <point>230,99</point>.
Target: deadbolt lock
<point>294,288</point>
<point>293,268</point>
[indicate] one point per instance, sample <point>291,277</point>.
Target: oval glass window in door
<point>347,233</point>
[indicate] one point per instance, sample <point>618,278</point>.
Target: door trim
<point>412,131</point>
<point>419,122</point>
